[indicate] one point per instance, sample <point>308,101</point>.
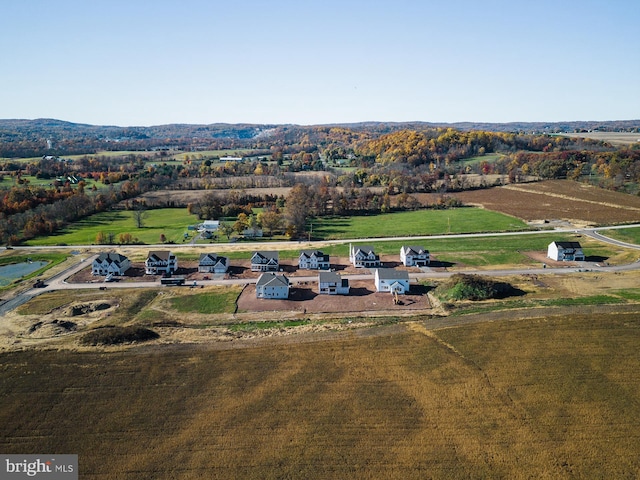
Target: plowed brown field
<point>558,200</point>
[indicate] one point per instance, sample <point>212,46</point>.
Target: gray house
<point>212,263</point>
<point>265,262</point>
<point>330,283</point>
<point>363,256</point>
<point>270,285</point>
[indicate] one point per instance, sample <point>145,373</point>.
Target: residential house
<point>209,228</point>
<point>414,256</point>
<point>391,280</point>
<point>565,251</point>
<point>110,264</point>
<point>270,285</point>
<point>265,262</point>
<point>363,256</point>
<point>313,260</point>
<point>160,262</point>
<point>212,263</point>
<point>330,283</point>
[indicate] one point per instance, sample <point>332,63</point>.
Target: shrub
<point>472,287</point>
<point>118,335</point>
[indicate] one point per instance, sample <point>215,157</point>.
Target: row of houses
<point>277,286</point>
<point>158,262</point>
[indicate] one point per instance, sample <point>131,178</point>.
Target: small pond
<point>13,271</point>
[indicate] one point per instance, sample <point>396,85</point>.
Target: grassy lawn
<point>629,235</point>
<point>420,222</point>
<point>172,222</point>
<point>223,300</point>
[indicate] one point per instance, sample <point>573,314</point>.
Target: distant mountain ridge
<point>31,138</point>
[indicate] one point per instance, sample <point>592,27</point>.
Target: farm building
<point>414,256</point>
<point>110,264</point>
<point>313,260</point>
<point>270,285</point>
<point>565,251</point>
<point>212,263</point>
<point>160,262</point>
<point>208,228</point>
<point>330,283</point>
<point>391,280</point>
<point>265,262</point>
<point>363,256</point>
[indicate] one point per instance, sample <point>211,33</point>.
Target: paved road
<point>58,282</point>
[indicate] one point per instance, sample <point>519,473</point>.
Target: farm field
<point>549,397</point>
<point>170,222</point>
<point>419,222</point>
<point>558,199</point>
<point>614,138</point>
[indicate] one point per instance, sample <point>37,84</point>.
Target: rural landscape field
<point>497,362</point>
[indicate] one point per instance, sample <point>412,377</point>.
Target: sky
<point>153,62</point>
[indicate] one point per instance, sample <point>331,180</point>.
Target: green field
<point>170,222</point>
<point>555,397</point>
<point>220,301</point>
<point>419,222</point>
<point>629,235</point>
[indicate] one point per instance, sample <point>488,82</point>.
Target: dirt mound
<point>86,308</point>
<point>50,329</point>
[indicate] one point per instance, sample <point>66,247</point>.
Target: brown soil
<point>557,199</point>
<point>362,298</point>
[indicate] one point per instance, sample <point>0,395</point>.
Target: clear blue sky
<point>132,62</point>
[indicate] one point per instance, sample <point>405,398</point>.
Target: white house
<point>414,256</point>
<point>265,262</point>
<point>391,280</point>
<point>212,263</point>
<point>330,283</point>
<point>159,262</point>
<point>209,226</point>
<point>363,256</point>
<point>313,260</point>
<point>110,264</point>
<point>270,285</point>
<point>565,251</point>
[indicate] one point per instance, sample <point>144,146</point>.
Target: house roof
<point>273,280</point>
<point>329,277</point>
<point>368,249</point>
<point>160,255</point>
<point>568,244</point>
<point>214,258</point>
<point>391,274</point>
<point>310,253</point>
<point>266,255</point>
<point>414,250</point>
<point>111,258</point>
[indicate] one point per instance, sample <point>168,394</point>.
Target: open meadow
<point>172,222</point>
<point>548,397</point>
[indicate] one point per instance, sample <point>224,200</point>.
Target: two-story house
<point>110,264</point>
<point>160,262</point>
<point>566,252</point>
<point>330,283</point>
<point>391,280</point>
<point>270,285</point>
<point>265,262</point>
<point>313,260</point>
<point>414,256</point>
<point>363,256</point>
<point>212,263</point>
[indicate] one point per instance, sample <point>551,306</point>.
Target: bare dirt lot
<point>362,298</point>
